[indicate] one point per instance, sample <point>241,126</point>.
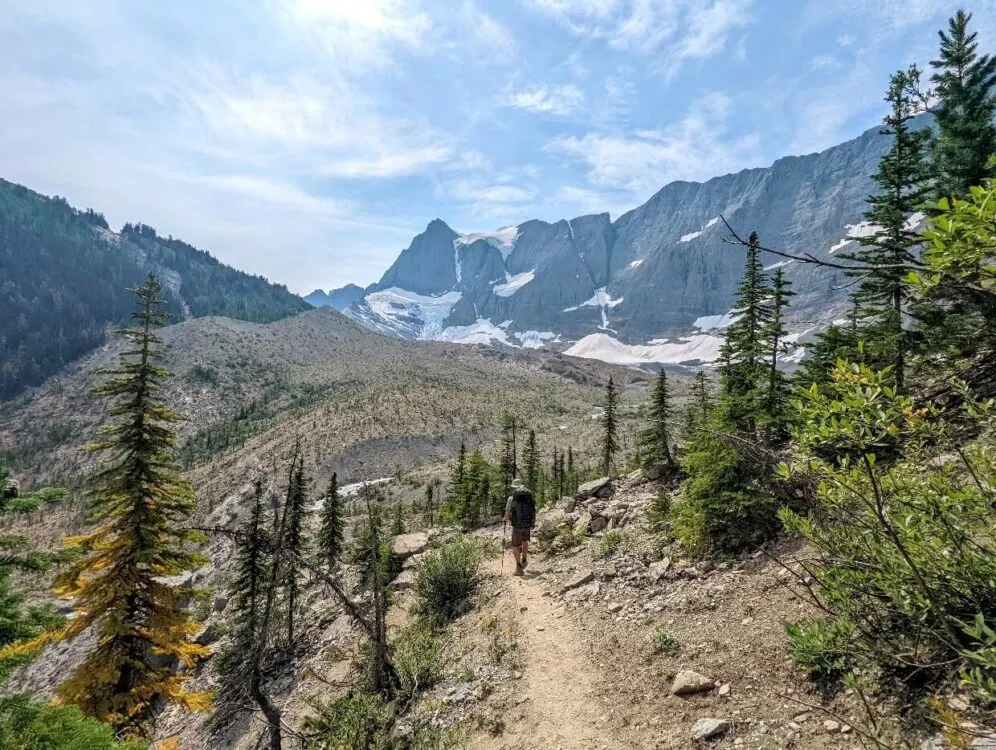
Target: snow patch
<point>712,222</point>
<point>481,332</point>
<point>502,239</point>
<point>600,298</point>
<point>773,266</point>
<point>636,263</point>
<point>514,283</point>
<point>840,244</point>
<point>395,303</point>
<point>690,236</point>
<point>601,346</point>
<point>535,339</point>
<point>713,322</point>
<point>915,221</point>
<point>350,490</point>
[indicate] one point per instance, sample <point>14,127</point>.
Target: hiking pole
<point>504,529</point>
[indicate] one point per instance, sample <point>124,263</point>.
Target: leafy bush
<point>909,546</point>
<point>663,642</point>
<point>203,374</point>
<point>820,648</point>
<point>446,579</point>
<point>27,724</point>
<point>417,656</point>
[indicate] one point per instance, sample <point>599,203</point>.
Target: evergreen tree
<point>294,538</point>
<point>509,452</point>
<point>903,179</point>
<point>122,582</point>
<point>233,664</point>
<point>531,464</point>
<point>429,507</point>
<point>398,519</point>
<point>745,357</point>
<point>966,137</point>
<point>834,343</point>
<point>610,437</point>
<point>655,440</point>
<point>699,406</point>
<point>572,477</point>
<point>778,384</point>
<point>330,535</point>
<point>456,502</point>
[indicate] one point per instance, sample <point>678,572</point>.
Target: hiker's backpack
<point>523,509</point>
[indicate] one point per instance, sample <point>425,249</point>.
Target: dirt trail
<point>563,688</point>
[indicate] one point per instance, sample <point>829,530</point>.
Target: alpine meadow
<point>710,469</point>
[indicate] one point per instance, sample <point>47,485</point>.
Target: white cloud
<point>824,62</point>
<point>557,100</point>
<point>677,30</point>
<point>695,148</point>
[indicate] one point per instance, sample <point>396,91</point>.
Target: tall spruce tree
<point>330,534</point>
<point>610,428</point>
<point>429,507</point>
<point>744,371</point>
<point>456,501</point>
<point>571,473</point>
<point>531,464</point>
<point>124,583</point>
<point>295,538</point>
<point>655,440</point>
<point>509,451</point>
<point>233,665</point>
<point>904,181</point>
<point>778,385</point>
<point>963,83</point>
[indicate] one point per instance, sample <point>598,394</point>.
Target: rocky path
<point>562,700</point>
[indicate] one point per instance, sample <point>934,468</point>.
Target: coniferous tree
<point>248,589</point>
<point>835,343</point>
<point>745,356</point>
<point>398,519</point>
<point>457,500</point>
<point>699,406</point>
<point>121,584</point>
<point>294,538</point>
<point>572,477</point>
<point>655,440</point>
<point>429,507</point>
<point>330,535</point>
<point>778,384</point>
<point>610,435</point>
<point>904,182</point>
<point>531,464</point>
<point>963,83</point>
<point>509,451</point>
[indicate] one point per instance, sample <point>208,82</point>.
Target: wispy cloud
<point>697,147</point>
<point>675,30</point>
<point>556,100</point>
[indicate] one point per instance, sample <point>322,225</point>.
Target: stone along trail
<point>564,699</point>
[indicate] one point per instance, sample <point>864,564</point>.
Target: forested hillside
<point>65,275</point>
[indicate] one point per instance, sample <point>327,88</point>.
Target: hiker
<point>521,511</point>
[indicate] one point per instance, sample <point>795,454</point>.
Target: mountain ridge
<point>646,279</point>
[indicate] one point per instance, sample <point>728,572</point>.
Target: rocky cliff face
<point>649,285</point>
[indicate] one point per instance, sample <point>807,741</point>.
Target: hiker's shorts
<point>519,536</point>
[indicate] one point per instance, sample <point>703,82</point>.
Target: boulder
<point>598,523</point>
<point>577,581</point>
<point>598,488</point>
<point>209,635</point>
<point>659,569</point>
<point>404,580</point>
<point>568,504</point>
<point>707,729</point>
<point>687,682</point>
<point>406,545</point>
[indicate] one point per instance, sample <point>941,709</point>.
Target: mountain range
<point>653,286</point>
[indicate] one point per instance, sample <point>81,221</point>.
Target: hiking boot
<point>518,569</point>
<point>525,562</point>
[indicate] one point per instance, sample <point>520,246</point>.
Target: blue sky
<point>309,140</point>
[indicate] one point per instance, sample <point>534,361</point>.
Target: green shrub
<point>821,648</point>
<point>727,504</point>
<point>203,374</point>
<point>417,656</point>
<point>907,539</point>
<point>658,513</point>
<point>446,579</point>
<point>611,543</point>
<point>28,724</point>
<point>352,721</point>
<point>663,642</point>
